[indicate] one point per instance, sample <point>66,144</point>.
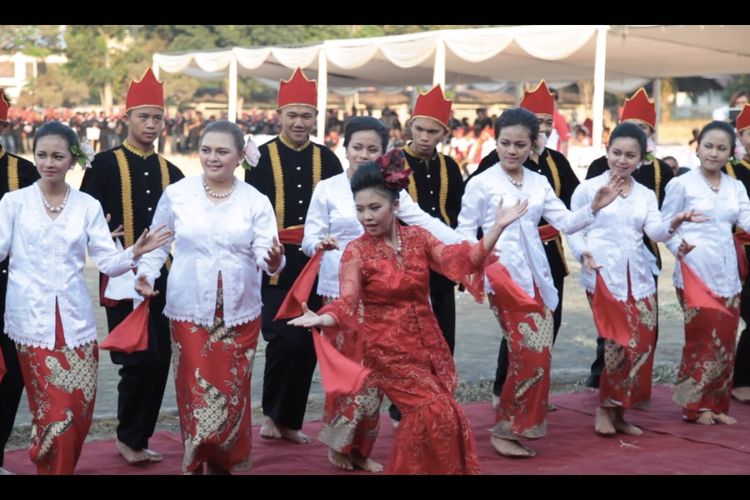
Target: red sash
<point>548,232</point>
<point>292,235</point>
<point>741,238</point>
<point>3,370</point>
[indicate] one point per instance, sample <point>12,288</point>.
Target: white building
<point>17,69</point>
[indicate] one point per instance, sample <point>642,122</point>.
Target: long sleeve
<point>674,201</point>
<point>462,262</point>
<point>577,241</point>
<point>743,219</point>
<point>102,250</point>
<point>7,221</point>
<point>411,214</point>
<point>557,214</point>
<point>473,207</point>
<point>655,227</point>
<point>345,309</point>
<point>317,221</point>
<point>264,227</point>
<point>151,263</point>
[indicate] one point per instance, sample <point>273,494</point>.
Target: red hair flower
<point>395,175</point>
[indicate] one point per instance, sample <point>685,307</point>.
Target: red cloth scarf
<point>132,333</point>
<point>508,290</point>
<point>610,315</point>
<point>697,294</point>
<point>301,289</point>
<point>340,375</point>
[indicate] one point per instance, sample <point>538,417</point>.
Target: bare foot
<point>243,466</point>
<point>153,456</point>
<point>130,455</point>
<point>294,436</point>
<point>272,430</point>
<point>366,464</point>
<point>603,422</point>
<point>710,418</point>
<point>339,459</point>
<point>269,429</point>
<point>511,448</point>
<point>552,407</point>
<point>621,425</point>
<point>723,418</point>
<point>196,472</point>
<point>741,394</point>
<point>216,470</point>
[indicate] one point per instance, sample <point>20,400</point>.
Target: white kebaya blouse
<point>519,246</point>
<point>713,259</point>
<point>232,237</point>
<point>615,239</point>
<point>46,263</point>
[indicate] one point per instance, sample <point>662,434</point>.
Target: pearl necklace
<point>715,189</point>
<point>398,243</point>
<point>210,193</point>
<point>518,184</point>
<point>59,208</point>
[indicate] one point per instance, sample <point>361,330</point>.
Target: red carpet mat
<point>669,446</point>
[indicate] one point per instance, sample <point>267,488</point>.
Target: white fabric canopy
<point>628,56</point>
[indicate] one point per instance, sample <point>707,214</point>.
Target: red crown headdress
<point>639,108</point>
<point>539,101</point>
<point>148,91</point>
<point>298,91</point>
<point>396,176</point>
<point>743,119</point>
<point>4,106</point>
<point>433,105</point>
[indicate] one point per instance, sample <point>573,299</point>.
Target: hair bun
<point>395,174</point>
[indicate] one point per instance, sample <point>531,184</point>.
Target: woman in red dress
<point>384,278</point>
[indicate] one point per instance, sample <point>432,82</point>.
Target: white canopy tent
<point>617,57</point>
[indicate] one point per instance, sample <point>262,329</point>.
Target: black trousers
<point>598,365</point>
<point>143,375</point>
<point>501,373</point>
<point>741,377</point>
<point>11,389</point>
<point>444,306</point>
<point>290,362</point>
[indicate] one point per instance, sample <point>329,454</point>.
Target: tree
<point>38,41</point>
<point>53,88</point>
<point>95,54</point>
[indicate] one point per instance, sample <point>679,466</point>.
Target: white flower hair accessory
<point>250,154</point>
<point>85,153</point>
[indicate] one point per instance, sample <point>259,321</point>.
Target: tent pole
<point>322,94</point>
<point>599,72</point>
<point>438,72</point>
<point>657,102</point>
